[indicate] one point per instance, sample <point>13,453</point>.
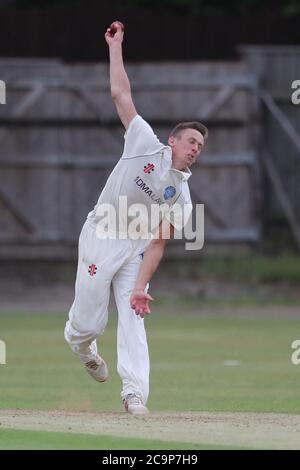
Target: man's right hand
<point>116,38</point>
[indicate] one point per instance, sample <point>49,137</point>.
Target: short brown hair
<point>190,125</point>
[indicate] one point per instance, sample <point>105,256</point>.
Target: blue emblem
<point>170,192</point>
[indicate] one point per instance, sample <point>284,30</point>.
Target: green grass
<point>11,439</point>
<point>42,373</point>
<point>252,299</point>
<point>259,268</point>
<point>187,365</point>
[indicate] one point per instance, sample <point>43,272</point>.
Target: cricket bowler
<point>115,251</point>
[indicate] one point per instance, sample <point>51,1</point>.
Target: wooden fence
<point>60,137</point>
<point>277,67</point>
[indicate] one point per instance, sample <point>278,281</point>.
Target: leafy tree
<point>239,7</point>
<point>193,7</point>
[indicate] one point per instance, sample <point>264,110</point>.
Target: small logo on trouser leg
<point>92,270</point>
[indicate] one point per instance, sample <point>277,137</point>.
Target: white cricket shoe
<point>97,369</point>
<point>134,405</point>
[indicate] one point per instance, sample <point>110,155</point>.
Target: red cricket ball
<point>113,27</point>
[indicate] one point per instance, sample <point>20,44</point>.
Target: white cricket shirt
<point>143,176</point>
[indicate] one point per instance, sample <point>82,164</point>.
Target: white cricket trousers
<point>102,262</point>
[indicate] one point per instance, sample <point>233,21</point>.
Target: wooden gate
<point>60,136</point>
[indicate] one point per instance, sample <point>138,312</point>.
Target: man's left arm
<point>139,300</point>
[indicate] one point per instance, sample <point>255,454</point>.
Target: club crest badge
<point>169,192</point>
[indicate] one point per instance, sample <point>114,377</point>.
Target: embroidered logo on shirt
<point>170,192</point>
<point>92,270</point>
<point>149,168</point>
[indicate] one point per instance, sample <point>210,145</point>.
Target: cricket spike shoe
<point>134,405</point>
<point>97,369</point>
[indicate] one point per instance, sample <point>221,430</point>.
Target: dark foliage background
<point>155,29</point>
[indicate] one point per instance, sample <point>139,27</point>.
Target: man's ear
<point>171,141</point>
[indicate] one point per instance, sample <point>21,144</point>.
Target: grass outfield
<point>11,439</point>
<point>189,360</point>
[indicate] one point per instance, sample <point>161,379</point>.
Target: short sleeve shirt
<point>145,183</point>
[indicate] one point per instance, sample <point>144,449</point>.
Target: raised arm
<point>119,82</point>
<point>139,300</point>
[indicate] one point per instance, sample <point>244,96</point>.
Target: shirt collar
<point>185,175</point>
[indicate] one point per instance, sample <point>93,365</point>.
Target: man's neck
<point>178,167</point>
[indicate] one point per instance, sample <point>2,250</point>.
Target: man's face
<point>186,147</point>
